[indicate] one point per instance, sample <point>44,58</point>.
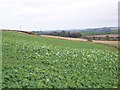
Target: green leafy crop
<point>35,62</point>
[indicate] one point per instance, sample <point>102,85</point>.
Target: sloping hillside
<point>42,62</point>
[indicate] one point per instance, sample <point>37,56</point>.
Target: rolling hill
<point>31,61</point>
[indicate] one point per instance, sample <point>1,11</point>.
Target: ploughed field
<point>41,62</point>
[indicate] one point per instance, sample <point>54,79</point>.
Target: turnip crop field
<point>31,61</point>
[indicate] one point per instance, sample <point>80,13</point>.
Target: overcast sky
<point>58,14</point>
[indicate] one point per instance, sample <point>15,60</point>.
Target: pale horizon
<point>58,14</point>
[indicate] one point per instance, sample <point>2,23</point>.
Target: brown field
<point>111,43</point>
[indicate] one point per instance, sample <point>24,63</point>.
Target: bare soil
<point>66,38</point>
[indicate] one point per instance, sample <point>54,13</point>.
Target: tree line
<point>66,34</point>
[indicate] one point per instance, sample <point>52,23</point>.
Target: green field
<point>87,33</point>
<point>40,62</point>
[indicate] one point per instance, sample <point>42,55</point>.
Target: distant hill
<point>105,30</point>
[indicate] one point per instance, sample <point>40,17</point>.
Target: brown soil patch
<point>111,43</point>
<point>65,38</point>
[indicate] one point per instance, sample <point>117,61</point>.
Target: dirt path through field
<point>66,38</point>
<point>111,43</point>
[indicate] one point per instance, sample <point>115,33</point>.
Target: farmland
<point>41,62</point>
<point>87,33</point>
